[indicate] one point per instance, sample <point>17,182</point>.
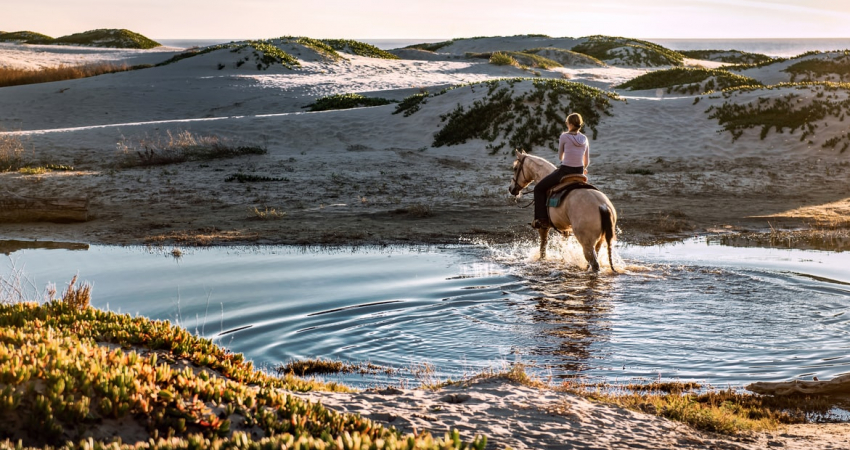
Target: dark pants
<point>540,200</point>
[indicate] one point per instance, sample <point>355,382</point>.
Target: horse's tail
<point>608,229</point>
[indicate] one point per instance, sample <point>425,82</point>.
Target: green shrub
<point>346,101</point>
<point>358,48</point>
<point>432,47</point>
<point>529,120</point>
<point>268,54</point>
<point>688,80</point>
<point>633,51</point>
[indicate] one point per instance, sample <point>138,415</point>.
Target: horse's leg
<point>591,249</point>
<point>544,238</point>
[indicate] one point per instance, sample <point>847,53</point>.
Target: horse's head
<point>522,177</point>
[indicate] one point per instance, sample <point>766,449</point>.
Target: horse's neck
<point>540,168</point>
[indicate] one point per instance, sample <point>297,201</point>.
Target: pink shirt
<point>574,150</point>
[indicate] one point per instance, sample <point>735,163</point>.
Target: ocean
<point>784,47</point>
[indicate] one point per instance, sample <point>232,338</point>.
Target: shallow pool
<point>722,315</point>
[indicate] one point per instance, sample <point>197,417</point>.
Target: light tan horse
<point>588,212</point>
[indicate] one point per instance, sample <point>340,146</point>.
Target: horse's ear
<point>518,154</point>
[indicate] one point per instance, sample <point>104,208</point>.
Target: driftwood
<point>836,386</point>
<point>16,208</point>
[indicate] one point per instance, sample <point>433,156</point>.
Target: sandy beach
<point>368,176</point>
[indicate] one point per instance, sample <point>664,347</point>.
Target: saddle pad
<point>555,198</point>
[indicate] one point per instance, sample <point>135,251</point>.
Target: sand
<point>368,176</point>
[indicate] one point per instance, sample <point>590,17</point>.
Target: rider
<point>574,153</point>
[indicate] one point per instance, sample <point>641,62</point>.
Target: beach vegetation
<point>530,119</point>
<point>346,101</point>
<point>26,37</point>
<point>67,369</point>
<point>431,47</point>
<point>112,38</point>
<point>358,48</point>
<point>267,54</point>
<point>789,111</point>
<point>411,103</point>
<point>816,69</point>
<point>633,52</point>
<point>12,150</point>
<point>565,57</point>
<point>688,80</point>
<point>727,56</point>
<point>17,77</point>
<point>518,59</point>
<point>251,178</point>
<point>266,213</point>
<point>182,146</point>
<point>502,59</point>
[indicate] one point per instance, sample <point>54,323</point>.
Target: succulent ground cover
<point>727,56</point>
<point>68,370</point>
<point>630,51</point>
<point>358,48</point>
<point>528,117</point>
<point>803,109</point>
<point>688,80</point>
<point>346,101</point>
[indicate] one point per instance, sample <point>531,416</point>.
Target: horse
<point>588,212</point>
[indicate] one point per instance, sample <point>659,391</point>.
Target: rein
<point>515,181</point>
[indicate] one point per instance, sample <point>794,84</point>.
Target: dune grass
<point>12,151</point>
<point>529,120</point>
<point>68,369</point>
<point>17,77</point>
<point>412,103</point>
<point>174,148</point>
<point>632,51</point>
<point>688,80</point>
<point>346,101</point>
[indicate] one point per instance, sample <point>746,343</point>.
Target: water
<point>783,47</point>
<point>691,311</point>
<point>383,44</point>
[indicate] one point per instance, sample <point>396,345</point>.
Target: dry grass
<point>173,148</point>
<point>11,152</point>
<point>17,77</point>
<point>266,214</point>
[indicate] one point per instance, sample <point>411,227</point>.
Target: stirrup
<point>540,223</point>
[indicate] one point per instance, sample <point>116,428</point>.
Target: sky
<point>434,19</point>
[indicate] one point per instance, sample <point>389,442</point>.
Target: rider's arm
<point>561,143</point>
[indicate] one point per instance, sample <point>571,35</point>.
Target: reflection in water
<point>7,247</point>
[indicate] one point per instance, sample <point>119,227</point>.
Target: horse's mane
<point>539,160</point>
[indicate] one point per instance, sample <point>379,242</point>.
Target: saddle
<point>568,184</point>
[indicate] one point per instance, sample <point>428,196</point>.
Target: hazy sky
<point>377,19</point>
